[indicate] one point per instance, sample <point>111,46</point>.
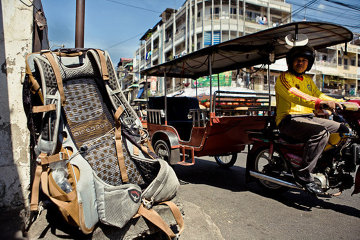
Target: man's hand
<point>339,105</point>
<point>329,105</point>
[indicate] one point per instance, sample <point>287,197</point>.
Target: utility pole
<point>79,25</point>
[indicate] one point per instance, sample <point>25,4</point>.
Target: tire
<point>260,159</point>
<point>162,150</point>
<point>226,161</point>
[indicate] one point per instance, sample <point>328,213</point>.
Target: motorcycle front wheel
<point>261,162</point>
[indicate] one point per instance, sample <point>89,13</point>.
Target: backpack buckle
<point>64,155</point>
<point>148,204</point>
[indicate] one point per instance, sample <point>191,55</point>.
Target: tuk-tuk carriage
<point>179,125</point>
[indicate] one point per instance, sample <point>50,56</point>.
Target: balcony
<point>155,53</point>
<point>325,64</point>
<point>168,43</point>
<point>179,34</point>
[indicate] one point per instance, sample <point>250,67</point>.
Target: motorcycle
<point>273,157</point>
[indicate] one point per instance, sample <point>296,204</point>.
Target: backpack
<point>94,160</point>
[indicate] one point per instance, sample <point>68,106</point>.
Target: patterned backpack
<point>93,158</point>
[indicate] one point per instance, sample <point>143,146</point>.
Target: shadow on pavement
<point>210,173</point>
<point>304,201</point>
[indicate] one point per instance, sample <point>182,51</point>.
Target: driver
<point>296,98</point>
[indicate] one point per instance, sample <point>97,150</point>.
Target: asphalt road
<point>220,205</point>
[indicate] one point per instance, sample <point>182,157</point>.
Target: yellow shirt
<point>297,95</point>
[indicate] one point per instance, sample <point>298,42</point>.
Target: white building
<point>200,23</point>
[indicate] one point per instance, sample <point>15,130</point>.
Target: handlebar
<point>346,106</point>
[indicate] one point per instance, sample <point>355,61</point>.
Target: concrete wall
<point>15,42</point>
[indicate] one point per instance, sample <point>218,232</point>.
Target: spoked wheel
<point>263,163</point>
<point>226,161</point>
<point>162,150</point>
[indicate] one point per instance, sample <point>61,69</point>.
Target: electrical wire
<point>123,41</point>
<point>331,16</point>
<point>353,15</point>
<point>29,5</point>
<point>299,10</point>
<point>345,25</point>
<point>354,7</point>
<point>133,6</point>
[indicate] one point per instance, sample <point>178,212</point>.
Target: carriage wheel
<point>226,160</point>
<point>162,149</point>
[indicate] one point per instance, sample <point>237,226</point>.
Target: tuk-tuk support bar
<point>183,162</point>
<point>198,117</point>
<point>155,115</point>
<point>245,93</point>
<point>249,97</point>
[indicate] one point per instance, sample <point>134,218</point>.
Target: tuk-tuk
<point>180,125</point>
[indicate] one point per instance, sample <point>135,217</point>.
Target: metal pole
<point>79,26</point>
<point>210,73</point>
<point>196,83</point>
<point>165,100</point>
<point>268,78</point>
<point>145,87</point>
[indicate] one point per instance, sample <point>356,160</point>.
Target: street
<point>218,204</point>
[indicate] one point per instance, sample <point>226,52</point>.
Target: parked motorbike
<point>273,158</point>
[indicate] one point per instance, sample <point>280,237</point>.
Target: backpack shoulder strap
<point>104,70</point>
<point>152,216</point>
<point>58,77</point>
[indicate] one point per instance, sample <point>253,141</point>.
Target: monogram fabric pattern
<point>89,118</point>
<point>86,70</point>
<point>50,80</point>
<point>112,78</point>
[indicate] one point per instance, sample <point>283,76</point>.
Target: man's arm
<point>323,96</point>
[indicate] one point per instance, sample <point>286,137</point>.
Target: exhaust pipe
<point>274,180</point>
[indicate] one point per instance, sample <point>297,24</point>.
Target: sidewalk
<point>198,226</point>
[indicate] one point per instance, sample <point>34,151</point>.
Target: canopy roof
<point>250,50</point>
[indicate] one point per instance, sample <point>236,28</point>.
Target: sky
<point>113,25</point>
<point>118,25</point>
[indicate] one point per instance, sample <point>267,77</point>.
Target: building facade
<point>202,23</point>
<point>336,69</point>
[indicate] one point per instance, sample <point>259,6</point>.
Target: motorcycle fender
<point>357,182</point>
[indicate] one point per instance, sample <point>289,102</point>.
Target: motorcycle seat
<point>285,139</point>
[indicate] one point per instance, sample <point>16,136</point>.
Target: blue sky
<point>109,24</point>
<point>117,25</point>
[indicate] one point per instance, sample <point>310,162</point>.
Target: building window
<point>346,65</point>
<point>216,10</point>
<point>215,40</point>
<point>207,39</point>
<point>217,37</point>
<point>353,62</point>
<point>233,10</point>
<point>339,61</point>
